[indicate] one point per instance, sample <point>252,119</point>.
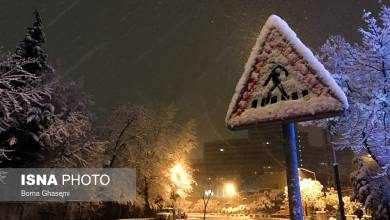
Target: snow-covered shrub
<point>332,202</point>
<point>312,194</point>
<point>268,201</point>
<point>369,188</point>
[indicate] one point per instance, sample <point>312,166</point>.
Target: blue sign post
<point>294,195</point>
<point>283,83</point>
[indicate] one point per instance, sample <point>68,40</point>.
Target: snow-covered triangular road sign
<point>283,82</point>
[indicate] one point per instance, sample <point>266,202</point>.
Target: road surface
<point>199,216</point>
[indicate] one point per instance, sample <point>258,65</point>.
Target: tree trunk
<point>22,210</point>
<point>204,211</point>
<point>388,210</point>
<point>147,208</point>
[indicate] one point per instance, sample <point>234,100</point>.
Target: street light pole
<point>207,194</point>
<point>338,185</point>
<point>336,173</point>
<point>294,194</point>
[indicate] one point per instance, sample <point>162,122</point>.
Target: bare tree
<point>70,142</point>
<point>152,142</point>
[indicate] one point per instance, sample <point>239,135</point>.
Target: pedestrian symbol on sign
<point>275,77</point>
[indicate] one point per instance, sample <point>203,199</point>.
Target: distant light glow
<point>221,149</point>
<point>230,189</point>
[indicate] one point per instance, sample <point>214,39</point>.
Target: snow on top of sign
<point>279,24</point>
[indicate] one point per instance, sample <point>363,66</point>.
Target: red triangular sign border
<point>328,101</point>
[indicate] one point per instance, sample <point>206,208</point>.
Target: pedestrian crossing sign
<point>282,82</point>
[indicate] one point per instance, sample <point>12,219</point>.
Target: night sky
<point>190,52</point>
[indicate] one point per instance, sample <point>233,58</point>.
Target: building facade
<point>258,161</point>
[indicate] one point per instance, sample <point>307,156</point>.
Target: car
<point>164,216</point>
<point>181,214</point>
<point>171,214</point>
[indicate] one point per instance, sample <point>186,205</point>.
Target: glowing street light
<point>206,198</point>
<point>229,189</point>
<point>208,193</point>
<point>181,179</point>
<point>303,173</point>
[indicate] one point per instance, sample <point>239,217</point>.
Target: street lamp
<point>229,190</point>
<point>181,179</point>
<point>303,173</point>
<point>208,193</point>
<point>206,197</point>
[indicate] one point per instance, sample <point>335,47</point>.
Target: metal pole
<point>338,185</point>
<point>294,194</point>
